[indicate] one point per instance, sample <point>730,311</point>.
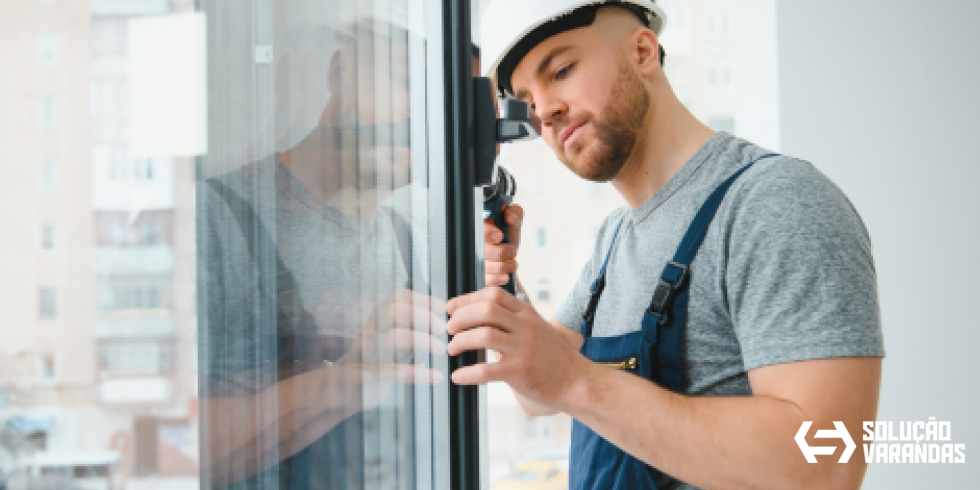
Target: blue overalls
<point>653,352</point>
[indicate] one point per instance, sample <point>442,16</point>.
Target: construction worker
<point>731,302</point>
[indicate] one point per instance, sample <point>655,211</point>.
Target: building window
<point>48,239</point>
<point>47,49</point>
<point>146,294</point>
<point>544,290</point>
<point>720,76</point>
<point>47,175</point>
<point>47,112</point>
<point>136,357</point>
<point>46,372</point>
<point>149,229</point>
<point>143,168</point>
<point>47,302</point>
<point>542,238</point>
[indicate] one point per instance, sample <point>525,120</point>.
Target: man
<point>774,323</point>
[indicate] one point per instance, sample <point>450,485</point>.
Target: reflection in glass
<point>317,336</point>
<point>222,270</point>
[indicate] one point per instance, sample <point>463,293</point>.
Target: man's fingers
<point>479,338</point>
<point>515,215</point>
<point>514,218</point>
<point>495,279</point>
<point>486,295</point>
<point>478,315</point>
<point>500,253</point>
<point>491,234</point>
<point>500,268</point>
<point>478,374</point>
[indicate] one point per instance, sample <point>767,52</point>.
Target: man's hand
<point>534,359</point>
<point>501,257</point>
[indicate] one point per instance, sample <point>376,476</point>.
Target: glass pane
<point>222,257</point>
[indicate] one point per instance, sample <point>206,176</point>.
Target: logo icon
<point>811,452</point>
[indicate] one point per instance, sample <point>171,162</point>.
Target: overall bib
<point>653,352</point>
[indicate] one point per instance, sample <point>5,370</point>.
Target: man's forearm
<point>710,442</point>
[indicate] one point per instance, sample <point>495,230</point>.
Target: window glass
<point>247,201</point>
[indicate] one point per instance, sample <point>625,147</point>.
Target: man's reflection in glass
<point>311,327</point>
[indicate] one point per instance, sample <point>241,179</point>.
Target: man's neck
<point>671,135</point>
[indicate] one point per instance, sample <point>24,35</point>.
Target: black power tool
<point>498,185</point>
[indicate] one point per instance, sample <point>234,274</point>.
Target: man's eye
<point>563,72</point>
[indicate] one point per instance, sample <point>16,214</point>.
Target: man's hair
<point>580,17</point>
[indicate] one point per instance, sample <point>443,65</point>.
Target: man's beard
<point>617,128</point>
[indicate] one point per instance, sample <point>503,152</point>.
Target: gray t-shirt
<point>784,274</point>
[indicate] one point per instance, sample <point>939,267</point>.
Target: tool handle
<point>498,216</point>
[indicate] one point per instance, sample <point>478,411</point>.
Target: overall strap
<point>676,270</point>
<point>664,335</point>
<point>598,286</point>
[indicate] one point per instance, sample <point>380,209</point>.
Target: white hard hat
<point>511,28</point>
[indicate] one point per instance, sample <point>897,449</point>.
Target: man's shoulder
<point>788,200</point>
<point>785,187</point>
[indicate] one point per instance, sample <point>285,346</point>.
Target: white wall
<point>884,97</point>
<point>756,91</point>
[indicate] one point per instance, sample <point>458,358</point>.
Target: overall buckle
<point>600,284</point>
<point>663,297</point>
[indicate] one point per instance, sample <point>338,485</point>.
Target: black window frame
<point>466,443</point>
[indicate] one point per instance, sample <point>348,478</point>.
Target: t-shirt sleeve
<point>571,311</point>
<point>800,280</point>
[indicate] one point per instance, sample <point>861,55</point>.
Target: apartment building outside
<point>98,259</point>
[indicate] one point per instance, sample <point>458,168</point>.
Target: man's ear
<point>644,47</point>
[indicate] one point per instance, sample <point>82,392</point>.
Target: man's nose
<point>549,109</point>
